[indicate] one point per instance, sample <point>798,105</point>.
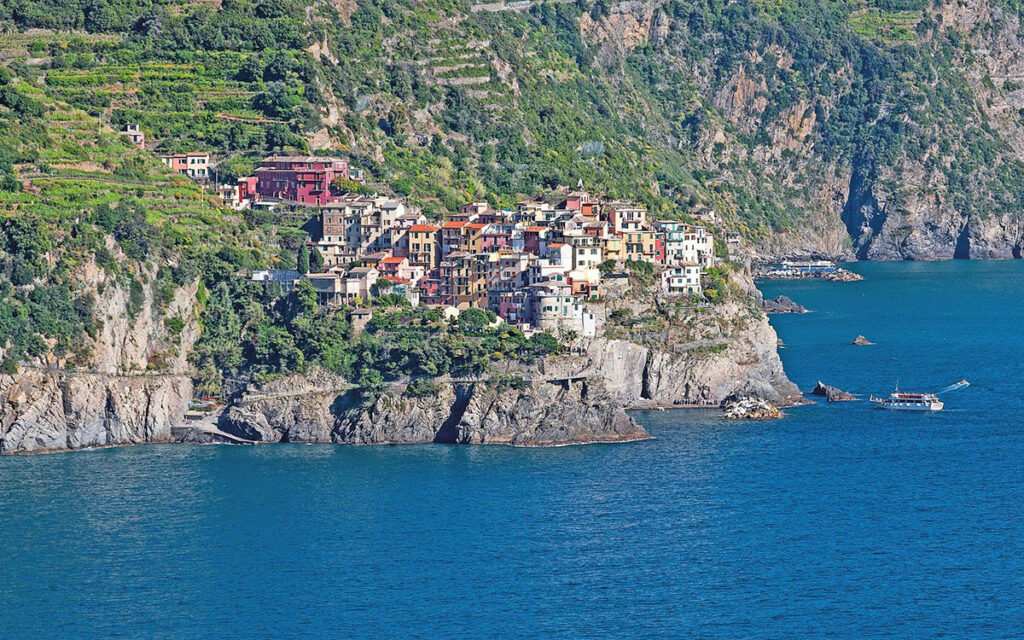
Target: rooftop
<point>276,158</point>
<point>279,275</point>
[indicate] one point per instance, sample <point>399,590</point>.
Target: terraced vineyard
<point>70,162</point>
<point>886,26</point>
<point>183,101</point>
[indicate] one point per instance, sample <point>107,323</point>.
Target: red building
<point>301,179</point>
<point>533,237</point>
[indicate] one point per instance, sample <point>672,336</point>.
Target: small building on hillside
<point>300,179</point>
<point>135,135</point>
<point>681,279</point>
<point>285,278</point>
<point>359,319</point>
<point>241,195</point>
<point>194,164</point>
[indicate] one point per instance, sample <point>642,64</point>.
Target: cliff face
<point>640,376</point>
<point>49,406</point>
<point>51,411</point>
<point>702,356</point>
<point>538,414</point>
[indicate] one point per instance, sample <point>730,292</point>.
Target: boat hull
<point>910,406</point>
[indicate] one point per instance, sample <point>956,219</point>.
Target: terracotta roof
<point>425,228</point>
<point>555,245</point>
<point>475,225</point>
<point>535,229</point>
<point>454,225</point>
<point>392,260</point>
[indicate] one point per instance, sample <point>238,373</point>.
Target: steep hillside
<point>878,128</point>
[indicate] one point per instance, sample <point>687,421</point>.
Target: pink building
<point>398,269</point>
<point>495,238</point>
<point>135,134</point>
<point>301,179</point>
<point>194,164</point>
<point>511,306</point>
<point>580,202</point>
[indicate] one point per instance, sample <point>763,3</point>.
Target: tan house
<point>424,245</point>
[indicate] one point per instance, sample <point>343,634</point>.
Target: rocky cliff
<point>681,372</point>
<point>54,410</point>
<point>538,413</point>
<point>136,387</point>
<point>686,355</point>
<point>139,385</point>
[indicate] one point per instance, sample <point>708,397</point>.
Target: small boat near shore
<point>898,401</point>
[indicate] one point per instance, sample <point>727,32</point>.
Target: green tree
<point>316,261</point>
<point>302,265</point>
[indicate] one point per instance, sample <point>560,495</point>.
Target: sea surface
<point>840,521</point>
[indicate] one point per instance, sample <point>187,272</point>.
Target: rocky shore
<point>540,413</point>
<point>781,304</point>
<point>700,357</point>
<point>54,411</point>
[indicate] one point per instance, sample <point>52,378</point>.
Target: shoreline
<point>175,443</point>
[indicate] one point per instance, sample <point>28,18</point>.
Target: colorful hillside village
<point>537,266</point>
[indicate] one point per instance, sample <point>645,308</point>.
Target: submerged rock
<point>831,394</point>
<point>782,304</point>
<point>861,341</point>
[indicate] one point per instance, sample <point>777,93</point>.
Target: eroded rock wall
<point>53,411</point>
<point>538,414</point>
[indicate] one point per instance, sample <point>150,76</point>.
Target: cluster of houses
<point>537,266</point>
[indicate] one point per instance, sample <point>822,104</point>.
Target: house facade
<point>194,164</point>
<point>300,179</point>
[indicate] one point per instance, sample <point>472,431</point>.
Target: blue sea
<point>840,521</point>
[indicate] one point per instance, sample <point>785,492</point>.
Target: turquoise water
<point>839,522</point>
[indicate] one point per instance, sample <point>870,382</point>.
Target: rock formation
<point>750,408</point>
<point>861,341</point>
<point>831,394</point>
<point>782,304</point>
<point>50,411</point>
<point>537,414</point>
<point>49,406</point>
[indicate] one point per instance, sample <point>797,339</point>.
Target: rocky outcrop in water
<point>540,413</point>
<point>700,358</point>
<point>739,408</point>
<point>831,394</point>
<point>782,304</point>
<point>861,341</point>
